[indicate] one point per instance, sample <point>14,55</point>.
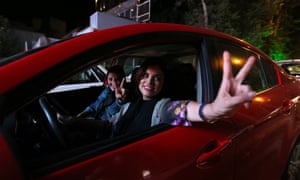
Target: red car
<point>261,142</point>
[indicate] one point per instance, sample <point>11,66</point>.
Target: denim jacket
<point>96,109</point>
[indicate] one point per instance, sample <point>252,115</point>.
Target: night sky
<point>76,14</point>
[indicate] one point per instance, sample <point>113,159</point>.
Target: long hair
<point>129,118</point>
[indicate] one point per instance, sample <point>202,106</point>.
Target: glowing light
<point>261,99</point>
<point>237,61</point>
<point>258,99</point>
<point>96,4</point>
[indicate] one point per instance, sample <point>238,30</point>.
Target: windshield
<point>293,69</point>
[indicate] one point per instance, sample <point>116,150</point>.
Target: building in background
<point>115,13</point>
<point>108,13</point>
<point>31,37</point>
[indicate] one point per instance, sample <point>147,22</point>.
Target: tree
<point>271,25</point>
<point>168,11</point>
<point>273,34</point>
<point>290,25</point>
<point>8,41</point>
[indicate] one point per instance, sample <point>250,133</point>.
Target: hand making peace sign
<point>120,91</point>
<point>231,94</point>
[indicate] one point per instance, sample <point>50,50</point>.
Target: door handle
<point>286,107</point>
<point>211,153</point>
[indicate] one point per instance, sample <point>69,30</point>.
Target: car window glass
<point>94,74</point>
<point>84,77</point>
<point>270,72</point>
<point>292,68</point>
<point>100,72</point>
<point>255,78</point>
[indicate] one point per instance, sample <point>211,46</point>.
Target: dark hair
<point>117,69</point>
<point>153,61</point>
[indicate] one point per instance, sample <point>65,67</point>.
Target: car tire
<point>292,171</point>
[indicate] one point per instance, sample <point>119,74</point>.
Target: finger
<point>241,75</point>
<point>122,83</point>
<point>118,93</point>
<point>227,74</point>
<point>244,94</point>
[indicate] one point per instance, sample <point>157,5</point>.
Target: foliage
<point>168,11</point>
<point>270,25</point>
<point>8,41</point>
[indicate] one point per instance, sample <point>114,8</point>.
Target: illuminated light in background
<point>102,7</point>
<point>237,61</point>
<point>96,4</point>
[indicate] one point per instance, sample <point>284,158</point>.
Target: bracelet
<point>200,112</point>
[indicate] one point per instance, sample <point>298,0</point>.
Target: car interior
<point>39,136</point>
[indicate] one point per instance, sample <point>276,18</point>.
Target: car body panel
<point>146,163</point>
<point>253,142</point>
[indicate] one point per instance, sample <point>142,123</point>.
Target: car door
<point>264,147</point>
<point>162,152</point>
<point>265,125</point>
<point>172,153</point>
<point>10,167</point>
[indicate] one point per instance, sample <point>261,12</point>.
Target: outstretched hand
<point>120,92</point>
<point>232,92</point>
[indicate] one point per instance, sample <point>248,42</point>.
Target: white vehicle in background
<point>291,66</point>
<point>93,77</point>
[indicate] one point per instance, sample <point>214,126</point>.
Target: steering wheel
<point>52,121</point>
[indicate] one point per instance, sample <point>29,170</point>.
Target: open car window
<point>40,136</point>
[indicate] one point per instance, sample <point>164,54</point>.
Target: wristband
<point>200,112</point>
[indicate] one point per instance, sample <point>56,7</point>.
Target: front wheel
<point>293,168</point>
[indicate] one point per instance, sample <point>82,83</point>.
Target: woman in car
<point>152,108</point>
